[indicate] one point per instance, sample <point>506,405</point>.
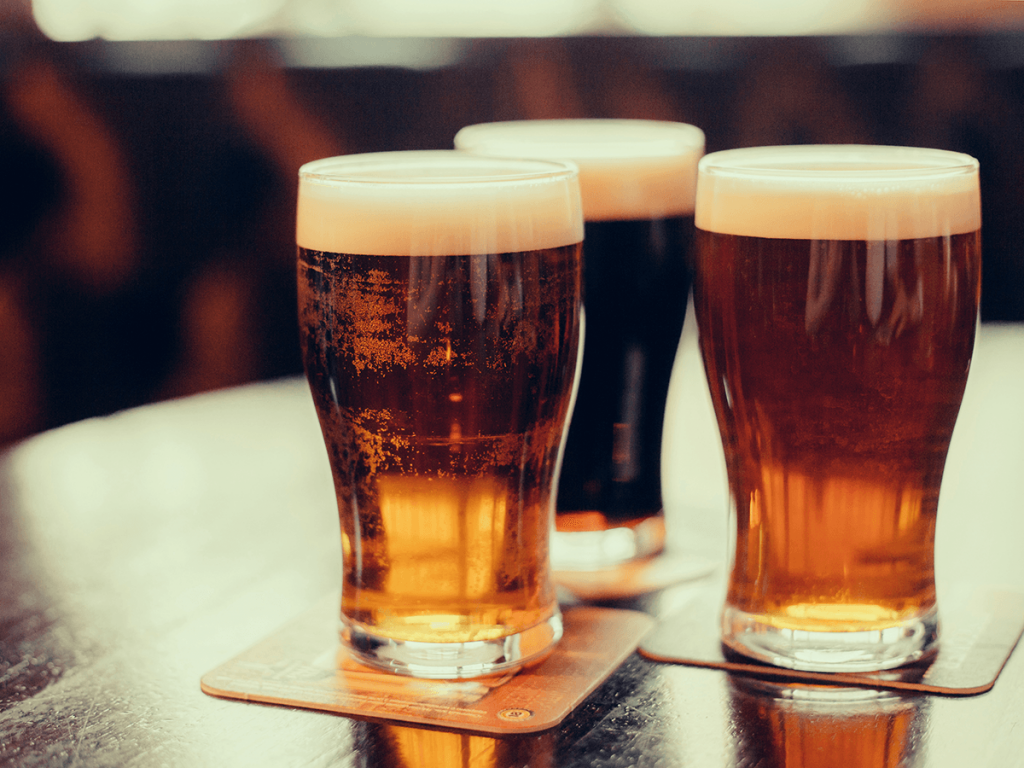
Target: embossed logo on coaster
<point>515,714</point>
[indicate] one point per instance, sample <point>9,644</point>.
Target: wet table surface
<point>139,551</point>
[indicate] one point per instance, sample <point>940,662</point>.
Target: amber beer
<point>637,179</point>
<point>439,300</point>
<point>836,293</point>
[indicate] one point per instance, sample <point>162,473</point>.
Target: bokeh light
<point>73,20</point>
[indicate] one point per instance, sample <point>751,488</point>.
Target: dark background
<point>146,241</point>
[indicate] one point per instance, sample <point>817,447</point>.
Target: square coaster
<point>302,665</point>
<point>978,631</point>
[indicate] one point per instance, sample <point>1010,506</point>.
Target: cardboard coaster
<point>302,665</point>
<point>632,579</point>
<point>977,634</point>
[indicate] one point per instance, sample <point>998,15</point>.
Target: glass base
<point>586,541</point>
<point>767,639</point>
<point>450,661</point>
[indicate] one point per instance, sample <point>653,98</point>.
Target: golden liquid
<point>459,558</point>
<point>442,385</point>
<point>836,378</point>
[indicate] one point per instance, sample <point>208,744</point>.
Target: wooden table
<point>139,551</point>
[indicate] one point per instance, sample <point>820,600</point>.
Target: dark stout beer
<point>836,365</point>
<point>443,384</point>
<point>637,180</point>
<point>636,283</point>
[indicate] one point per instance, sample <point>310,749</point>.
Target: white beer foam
<point>436,203</point>
<point>838,192</point>
<point>629,169</point>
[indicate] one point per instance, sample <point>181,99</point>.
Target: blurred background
<point>149,148</point>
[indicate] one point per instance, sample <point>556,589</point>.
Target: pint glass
<point>836,294</point>
<point>637,178</point>
<point>439,300</point>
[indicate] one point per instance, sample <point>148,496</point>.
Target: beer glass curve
<point>439,300</point>
<point>637,180</point>
<point>836,293</point>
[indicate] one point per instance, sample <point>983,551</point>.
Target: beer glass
<point>637,178</point>
<point>439,300</point>
<point>836,293</point>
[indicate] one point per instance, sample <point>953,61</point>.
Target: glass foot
<point>450,661</point>
<point>585,541</point>
<point>769,639</point>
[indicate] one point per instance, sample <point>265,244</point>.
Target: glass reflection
<point>786,725</point>
<point>399,746</point>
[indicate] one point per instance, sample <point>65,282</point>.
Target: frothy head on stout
<point>838,192</point>
<point>436,203</point>
<point>629,169</point>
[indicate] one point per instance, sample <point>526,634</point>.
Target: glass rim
<point>610,139</point>
<point>432,168</point>
<point>843,163</point>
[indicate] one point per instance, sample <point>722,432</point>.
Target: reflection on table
<point>140,551</point>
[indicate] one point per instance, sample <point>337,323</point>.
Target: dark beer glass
<point>439,300</point>
<point>637,178</point>
<point>836,293</point>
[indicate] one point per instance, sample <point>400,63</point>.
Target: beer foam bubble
<point>838,192</point>
<point>436,203</point>
<point>629,169</point>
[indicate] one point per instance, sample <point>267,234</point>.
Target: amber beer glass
<point>637,178</point>
<point>439,300</point>
<point>836,293</point>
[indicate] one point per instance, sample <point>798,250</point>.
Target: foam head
<point>838,192</point>
<point>436,203</point>
<point>629,169</point>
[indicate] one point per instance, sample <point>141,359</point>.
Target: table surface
<point>139,551</point>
